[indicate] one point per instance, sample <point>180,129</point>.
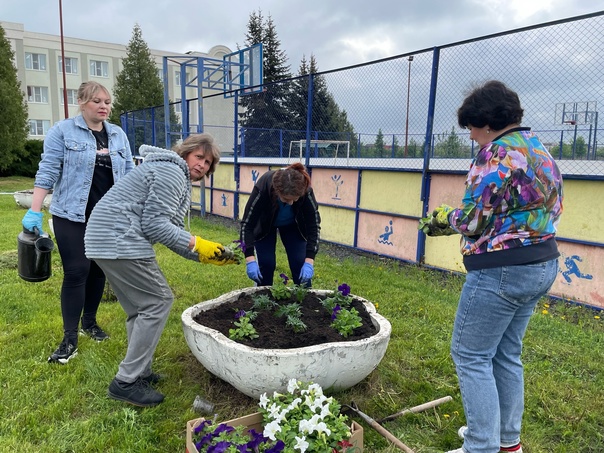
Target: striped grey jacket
<point>145,207</point>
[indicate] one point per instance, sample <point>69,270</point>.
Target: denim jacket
<point>68,160</point>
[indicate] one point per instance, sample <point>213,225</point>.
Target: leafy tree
<point>414,148</point>
<point>451,145</point>
<point>13,109</point>
<point>137,87</point>
<point>580,148</point>
<point>579,152</point>
<point>266,111</point>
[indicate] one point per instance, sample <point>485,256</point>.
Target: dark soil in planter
<point>272,330</point>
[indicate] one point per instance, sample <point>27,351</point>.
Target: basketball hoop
<point>570,122</point>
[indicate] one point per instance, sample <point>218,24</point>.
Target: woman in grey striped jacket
<point>144,208</point>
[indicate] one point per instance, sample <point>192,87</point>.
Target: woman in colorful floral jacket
<point>507,219</point>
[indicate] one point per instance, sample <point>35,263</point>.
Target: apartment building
<point>39,69</point>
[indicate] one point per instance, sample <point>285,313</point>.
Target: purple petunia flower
<point>223,428</point>
<point>240,245</point>
<point>240,314</point>
<point>220,447</point>
<point>285,278</point>
<point>344,289</point>
<point>279,447</point>
<point>257,439</point>
<point>199,428</point>
<point>334,313</point>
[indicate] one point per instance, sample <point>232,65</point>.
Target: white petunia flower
<point>273,410</point>
<point>292,385</point>
<point>316,389</point>
<point>271,429</point>
<point>301,444</point>
<point>321,427</point>
<point>263,401</point>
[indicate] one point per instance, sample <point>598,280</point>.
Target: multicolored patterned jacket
<point>512,203</point>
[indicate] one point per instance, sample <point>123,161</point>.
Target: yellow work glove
<point>437,224</point>
<point>213,253</point>
<point>441,215</point>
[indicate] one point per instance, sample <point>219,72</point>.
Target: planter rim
<point>188,315</point>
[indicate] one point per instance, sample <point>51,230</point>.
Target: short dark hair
<point>491,104</point>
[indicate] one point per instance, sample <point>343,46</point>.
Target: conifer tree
<point>13,109</point>
<point>266,110</point>
<point>138,86</point>
<point>328,120</point>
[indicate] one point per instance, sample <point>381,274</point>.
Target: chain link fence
<point>400,112</point>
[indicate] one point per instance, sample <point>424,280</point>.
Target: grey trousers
<point>146,297</point>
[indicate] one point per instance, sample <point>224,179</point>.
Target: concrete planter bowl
<point>254,371</point>
<point>24,198</point>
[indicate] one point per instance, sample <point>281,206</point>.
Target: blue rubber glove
<point>307,272</point>
<point>33,220</point>
<point>253,271</point>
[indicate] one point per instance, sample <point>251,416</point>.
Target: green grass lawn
<point>54,408</point>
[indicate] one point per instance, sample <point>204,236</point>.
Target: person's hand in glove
<point>307,272</point>
<point>212,253</point>
<point>437,224</point>
<point>253,271</point>
<point>32,220</point>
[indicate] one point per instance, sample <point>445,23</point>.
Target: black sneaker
<point>66,351</point>
<point>153,378</point>
<point>138,393</point>
<point>94,332</point>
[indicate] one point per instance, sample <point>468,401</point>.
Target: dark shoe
<point>153,378</point>
<point>66,351</point>
<point>94,332</point>
<point>138,393</point>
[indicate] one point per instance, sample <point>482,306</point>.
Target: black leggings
<point>83,281</point>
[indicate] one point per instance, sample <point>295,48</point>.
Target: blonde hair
<point>88,91</point>
<point>205,142</point>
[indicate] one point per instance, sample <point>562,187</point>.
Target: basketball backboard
<point>576,113</point>
<point>243,71</point>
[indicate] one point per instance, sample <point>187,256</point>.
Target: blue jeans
<point>492,316</point>
<point>295,248</point>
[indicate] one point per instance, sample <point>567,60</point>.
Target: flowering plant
<point>303,420</point>
<point>344,319</point>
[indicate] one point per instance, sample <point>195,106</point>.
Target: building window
<point>37,95</point>
<point>160,74</point>
<point>71,65</point>
<point>38,127</point>
<point>177,78</point>
<point>36,61</point>
<point>178,106</point>
<point>72,97</point>
<point>99,68</point>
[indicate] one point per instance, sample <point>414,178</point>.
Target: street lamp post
<point>63,61</point>
<point>407,119</point>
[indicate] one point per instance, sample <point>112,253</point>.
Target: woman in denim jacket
<point>83,157</point>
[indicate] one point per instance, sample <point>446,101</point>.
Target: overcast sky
<point>337,32</point>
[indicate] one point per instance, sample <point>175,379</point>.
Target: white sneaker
<point>506,449</point>
<point>461,432</point>
<point>459,450</point>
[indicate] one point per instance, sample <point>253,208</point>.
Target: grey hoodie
<point>145,207</point>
